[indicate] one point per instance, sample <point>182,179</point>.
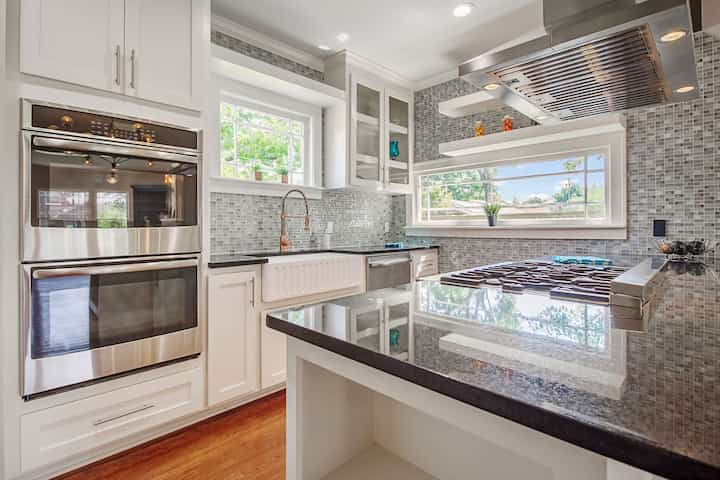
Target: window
<point>112,209</point>
<point>258,143</point>
<point>62,206</point>
<point>569,188</point>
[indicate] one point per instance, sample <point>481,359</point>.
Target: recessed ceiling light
<point>673,35</point>
<point>492,86</point>
<point>324,48</point>
<point>685,89</point>
<point>463,10</point>
<point>343,37</point>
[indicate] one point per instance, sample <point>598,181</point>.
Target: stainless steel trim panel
<point>61,142</point>
<point>598,56</point>
<point>388,270</point>
<point>50,373</point>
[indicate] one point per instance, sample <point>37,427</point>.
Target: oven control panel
<point>98,125</point>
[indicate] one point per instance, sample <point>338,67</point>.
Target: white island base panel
<point>348,421</point>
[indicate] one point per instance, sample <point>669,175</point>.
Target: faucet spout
<point>285,242</point>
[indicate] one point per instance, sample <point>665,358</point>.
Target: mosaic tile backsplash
<point>242,223</point>
<point>258,53</point>
<point>673,170</point>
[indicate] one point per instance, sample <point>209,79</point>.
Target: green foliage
<point>492,209</point>
<point>255,141</point>
<point>281,170</point>
<point>569,191</point>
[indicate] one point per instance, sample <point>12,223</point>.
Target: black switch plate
<point>659,228</point>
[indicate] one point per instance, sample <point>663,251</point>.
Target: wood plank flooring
<point>247,443</point>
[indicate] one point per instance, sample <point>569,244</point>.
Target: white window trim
<point>225,89</point>
<point>615,227</point>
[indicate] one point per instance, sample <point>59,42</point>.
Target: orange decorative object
<point>507,124</point>
<point>479,129</point>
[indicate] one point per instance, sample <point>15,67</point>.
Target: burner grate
<point>585,283</point>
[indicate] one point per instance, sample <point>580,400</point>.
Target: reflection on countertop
<point>657,382</point>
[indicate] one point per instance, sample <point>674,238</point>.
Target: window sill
<point>545,232</point>
<point>267,189</point>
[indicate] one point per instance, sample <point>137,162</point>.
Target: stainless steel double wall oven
<point>110,245</point>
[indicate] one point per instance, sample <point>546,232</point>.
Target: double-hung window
<point>571,189</point>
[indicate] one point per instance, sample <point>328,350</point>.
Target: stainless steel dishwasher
<point>388,270</point>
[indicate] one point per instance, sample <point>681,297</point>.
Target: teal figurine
<point>394,149</point>
<point>394,337</point>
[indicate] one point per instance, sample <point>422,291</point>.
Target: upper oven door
<point>87,321</point>
<point>95,199</point>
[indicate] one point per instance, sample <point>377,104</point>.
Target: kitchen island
<point>437,381</point>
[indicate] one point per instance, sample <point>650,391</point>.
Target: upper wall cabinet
<point>369,145</point>
<point>134,47</point>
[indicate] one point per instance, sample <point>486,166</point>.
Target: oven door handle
<point>110,269</point>
<point>102,148</point>
<point>388,262</point>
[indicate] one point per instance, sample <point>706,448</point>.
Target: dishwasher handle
<point>386,262</point>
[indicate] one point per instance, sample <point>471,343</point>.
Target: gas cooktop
<point>586,283</point>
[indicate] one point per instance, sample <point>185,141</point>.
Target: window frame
<point>264,101</point>
<point>613,227</point>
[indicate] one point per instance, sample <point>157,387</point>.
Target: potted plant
<point>492,210</point>
<point>283,172</point>
<point>257,168</point>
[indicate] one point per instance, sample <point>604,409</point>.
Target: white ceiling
<point>417,39</point>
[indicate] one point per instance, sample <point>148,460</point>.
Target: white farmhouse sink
<point>294,276</point>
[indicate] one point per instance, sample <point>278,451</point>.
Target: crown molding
<point>436,79</point>
<point>241,32</point>
<point>372,67</point>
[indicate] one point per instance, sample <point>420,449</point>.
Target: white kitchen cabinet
<point>162,38</point>
<point>425,262</point>
<point>233,337</point>
<point>133,47</point>
<point>273,356</point>
<point>77,41</point>
<point>60,432</point>
<point>379,112</point>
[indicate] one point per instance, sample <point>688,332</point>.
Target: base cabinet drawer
<point>61,432</point>
<point>425,262</point>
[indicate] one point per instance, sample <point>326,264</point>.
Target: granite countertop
<point>259,257</point>
<point>646,394</point>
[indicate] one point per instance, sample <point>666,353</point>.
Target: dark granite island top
<point>647,395</point>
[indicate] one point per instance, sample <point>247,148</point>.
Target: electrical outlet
<point>387,227</point>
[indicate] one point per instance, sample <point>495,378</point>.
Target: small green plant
<point>257,168</point>
<point>281,170</point>
<point>492,209</point>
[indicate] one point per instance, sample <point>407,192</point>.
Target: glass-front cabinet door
<point>366,132</point>
<point>398,132</point>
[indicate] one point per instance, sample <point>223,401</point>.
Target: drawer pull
<point>103,421</point>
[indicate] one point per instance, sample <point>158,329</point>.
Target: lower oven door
<point>88,321</point>
<point>390,270</point>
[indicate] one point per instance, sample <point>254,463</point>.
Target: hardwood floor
<point>244,444</point>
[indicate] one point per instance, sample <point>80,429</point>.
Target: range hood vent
<point>604,59</point>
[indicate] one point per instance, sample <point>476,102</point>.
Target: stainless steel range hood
<point>597,56</point>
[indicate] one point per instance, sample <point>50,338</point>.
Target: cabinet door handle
<point>252,293</point>
<point>132,68</point>
<point>105,420</point>
<point>117,65</point>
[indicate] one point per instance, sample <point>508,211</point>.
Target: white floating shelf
<point>367,119</point>
<point>231,64</point>
<point>398,129</point>
<point>366,159</point>
<point>398,322</point>
<point>399,165</point>
<point>469,105</point>
<point>376,462</point>
<point>538,134</point>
